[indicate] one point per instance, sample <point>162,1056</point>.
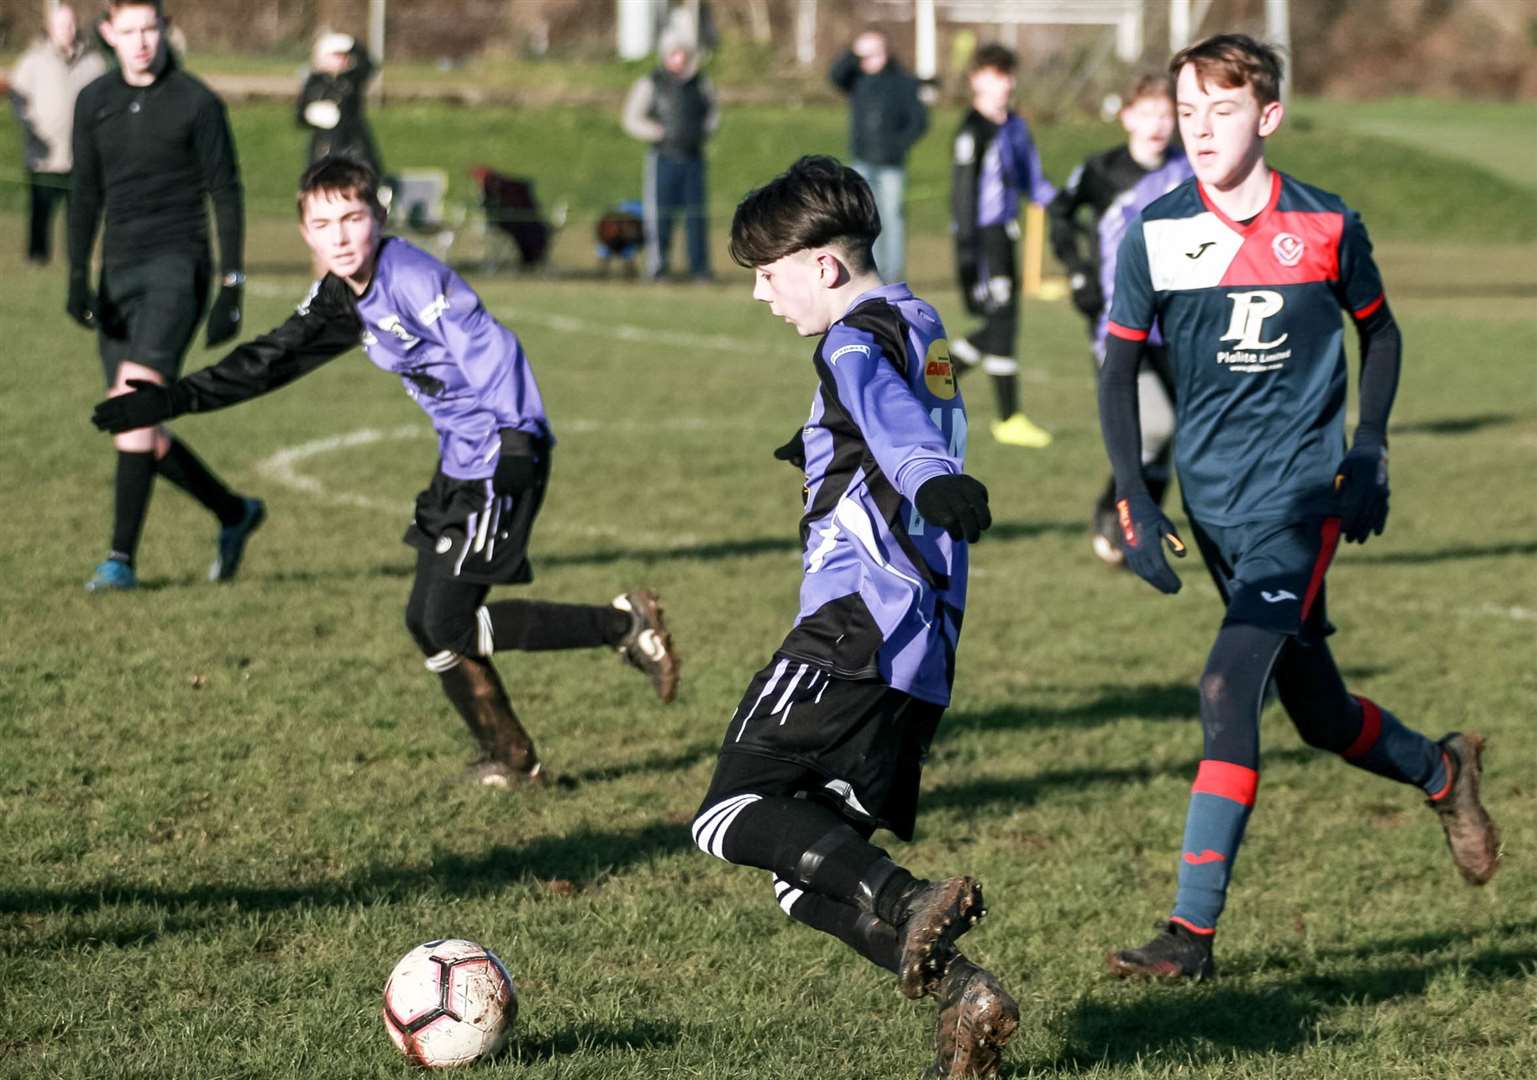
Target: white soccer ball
<point>449,1002</point>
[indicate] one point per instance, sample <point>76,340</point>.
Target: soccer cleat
<point>497,774</point>
<point>1107,537</point>
<point>232,540</point>
<point>976,1018</point>
<point>938,912</point>
<point>112,575</point>
<point>1471,836</point>
<point>647,646</point>
<point>1176,953</point>
<point>1018,430</point>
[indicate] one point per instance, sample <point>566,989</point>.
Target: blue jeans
<point>675,185</point>
<point>889,183</point>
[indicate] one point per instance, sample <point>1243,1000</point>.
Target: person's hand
<point>1361,492</point>
<point>1087,296</point>
<point>515,473</point>
<point>1144,529</point>
<point>224,319</point>
<point>81,304</point>
<point>793,451</point>
<point>957,503</point>
<point>148,405</point>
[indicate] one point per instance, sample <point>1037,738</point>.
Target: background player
<point>995,161</point>
<point>1114,186</point>
<point>1246,270</point>
<point>151,144</point>
<point>418,319</point>
<point>828,743</point>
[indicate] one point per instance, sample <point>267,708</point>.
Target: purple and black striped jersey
<point>417,319</point>
<point>1113,223</point>
<point>884,591</point>
<point>1251,315</point>
<point>994,164</point>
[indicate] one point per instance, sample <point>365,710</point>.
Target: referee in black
<point>151,143</point>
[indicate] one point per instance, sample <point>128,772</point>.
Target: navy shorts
<point>150,312</point>
<point>858,746</point>
<point>1271,574</point>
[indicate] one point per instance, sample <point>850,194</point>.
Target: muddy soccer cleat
<point>976,1018</point>
<point>497,774</point>
<point>647,646</point>
<point>1176,953</point>
<point>938,913</point>
<point>1471,836</point>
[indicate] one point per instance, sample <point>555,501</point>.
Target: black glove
<point>1361,490</point>
<point>517,469</point>
<point>1087,296</point>
<point>793,451</point>
<point>1144,528</point>
<point>149,404</point>
<point>957,503</point>
<point>224,319</point>
<point>81,304</point>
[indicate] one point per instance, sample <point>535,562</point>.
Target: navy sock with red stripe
<point>1220,802</point>
<point>1386,747</point>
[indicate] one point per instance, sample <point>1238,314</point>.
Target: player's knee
<point>714,821</point>
<point>467,632</point>
<point>1215,693</point>
<point>786,894</point>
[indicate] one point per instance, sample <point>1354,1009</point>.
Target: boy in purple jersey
<point>1246,271</point>
<point>1113,186</point>
<point>417,319</point>
<point>828,743</point>
<point>995,162</point>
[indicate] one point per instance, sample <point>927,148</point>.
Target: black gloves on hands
<point>793,451</point>
<point>149,404</point>
<point>1361,486</point>
<point>1144,528</point>
<point>81,304</point>
<point>1087,297</point>
<point>956,503</point>
<point>518,467</point>
<point>224,319</point>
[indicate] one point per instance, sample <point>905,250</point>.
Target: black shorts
<point>1271,574</point>
<point>859,746</point>
<point>474,534</point>
<point>150,312</point>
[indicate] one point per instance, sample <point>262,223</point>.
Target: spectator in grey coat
<point>44,85</point>
<point>886,117</point>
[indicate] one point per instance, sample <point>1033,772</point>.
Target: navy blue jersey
<point>883,591</point>
<point>1251,315</point>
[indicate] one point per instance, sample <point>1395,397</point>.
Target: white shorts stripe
<point>767,690</point>
<point>483,637</point>
<point>784,699</point>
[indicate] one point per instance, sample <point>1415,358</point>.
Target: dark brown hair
<point>113,5</point>
<point>1232,61</point>
<point>341,176</point>
<point>995,56</point>
<point>817,202</point>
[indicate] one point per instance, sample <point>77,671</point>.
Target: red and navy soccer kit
<point>1250,312</point>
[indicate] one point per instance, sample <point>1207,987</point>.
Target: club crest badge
<point>938,372</point>
<point>1287,248</point>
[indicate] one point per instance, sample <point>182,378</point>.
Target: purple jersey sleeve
<point>900,434</point>
<point>1025,162</point>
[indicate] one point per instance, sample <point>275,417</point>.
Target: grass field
<point>227,811</point>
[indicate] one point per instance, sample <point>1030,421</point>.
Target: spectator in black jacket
<point>331,101</point>
<point>886,118</point>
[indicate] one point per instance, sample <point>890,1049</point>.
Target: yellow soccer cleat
<point>1018,430</point>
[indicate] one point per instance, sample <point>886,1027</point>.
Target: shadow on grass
<point>1455,425</point>
<point>686,758</point>
<point>560,865</point>
<point>640,1035</point>
<point>1455,553</point>
<point>1142,701</point>
<point>1023,791</point>
<point>1211,1023</point>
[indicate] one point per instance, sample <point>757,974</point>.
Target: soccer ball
<point>449,1002</point>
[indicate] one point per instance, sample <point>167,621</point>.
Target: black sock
<point>1006,391</point>
<point>861,931</point>
<point>538,625</point>
<point>135,481</point>
<point>186,470</point>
